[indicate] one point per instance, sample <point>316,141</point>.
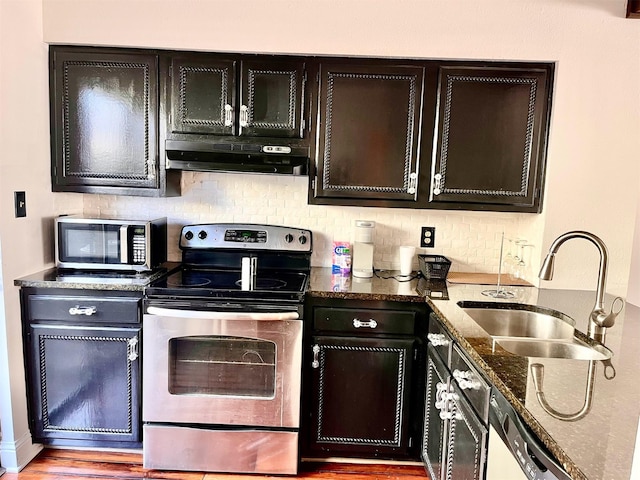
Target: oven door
<point>222,367</point>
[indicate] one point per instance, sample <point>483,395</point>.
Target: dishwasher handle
<point>220,315</point>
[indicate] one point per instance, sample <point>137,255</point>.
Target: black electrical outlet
<point>21,204</point>
<point>428,237</point>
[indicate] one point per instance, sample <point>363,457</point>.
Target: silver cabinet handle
<point>244,116</point>
<point>78,310</point>
<point>438,339</point>
<point>467,380</point>
<point>132,349</point>
<point>437,183</point>
<point>316,352</point>
<point>370,324</point>
<point>228,115</point>
<point>413,183</point>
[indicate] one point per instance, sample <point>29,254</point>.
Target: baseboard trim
<point>16,455</point>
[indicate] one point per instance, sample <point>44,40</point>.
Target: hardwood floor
<point>58,464</point>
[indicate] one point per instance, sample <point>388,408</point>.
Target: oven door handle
<point>218,315</point>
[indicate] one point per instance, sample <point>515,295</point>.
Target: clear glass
<point>222,365</point>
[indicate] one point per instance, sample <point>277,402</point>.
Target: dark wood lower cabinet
<point>362,390</point>
<point>86,383</point>
<point>83,366</point>
<point>363,380</point>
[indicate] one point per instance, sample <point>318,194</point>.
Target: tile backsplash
<point>471,240</point>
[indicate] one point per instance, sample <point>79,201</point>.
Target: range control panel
<point>246,237</point>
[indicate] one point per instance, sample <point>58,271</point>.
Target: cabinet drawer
<point>440,338</point>
<point>471,382</point>
<point>84,309</point>
<point>365,321</point>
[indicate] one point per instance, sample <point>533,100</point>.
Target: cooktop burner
<point>188,282</point>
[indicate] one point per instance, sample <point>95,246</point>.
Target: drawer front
<point>84,309</point>
<point>471,382</point>
<point>441,340</point>
<point>364,321</point>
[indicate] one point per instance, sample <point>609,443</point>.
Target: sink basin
<point>532,331</point>
<point>573,349</point>
<point>519,320</point>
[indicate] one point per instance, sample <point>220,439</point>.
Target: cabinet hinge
<point>313,183</point>
<point>410,442</point>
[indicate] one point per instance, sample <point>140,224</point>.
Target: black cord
<point>397,278</point>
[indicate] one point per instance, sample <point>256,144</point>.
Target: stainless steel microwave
<point>109,244</point>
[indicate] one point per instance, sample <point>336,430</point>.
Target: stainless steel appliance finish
<point>110,244</point>
<point>222,352</point>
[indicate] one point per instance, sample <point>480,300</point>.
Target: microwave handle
<point>124,244</point>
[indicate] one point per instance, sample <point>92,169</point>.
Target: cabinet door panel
<point>272,96</point>
<point>490,135</point>
<point>85,383</point>
<point>203,95</point>
<point>435,436</point>
<point>468,440</point>
<point>104,110</point>
<point>368,135</point>
<point>361,394</point>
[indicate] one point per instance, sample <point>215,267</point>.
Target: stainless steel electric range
<point>222,343</point>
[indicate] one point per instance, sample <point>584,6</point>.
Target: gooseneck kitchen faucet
<point>599,320</point>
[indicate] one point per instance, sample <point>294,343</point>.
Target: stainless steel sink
<point>519,320</point>
<point>573,349</point>
<point>533,331</point>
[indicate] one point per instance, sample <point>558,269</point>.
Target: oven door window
<point>222,366</point>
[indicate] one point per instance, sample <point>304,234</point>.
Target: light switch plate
<point>21,204</point>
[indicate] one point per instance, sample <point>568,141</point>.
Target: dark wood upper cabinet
<point>104,132</point>
<point>236,96</point>
<point>369,119</point>
<point>491,138</point>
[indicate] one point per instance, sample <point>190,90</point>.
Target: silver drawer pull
<point>370,324</point>
<point>132,349</point>
<point>467,380</point>
<point>78,310</point>
<point>438,339</point>
<point>316,350</point>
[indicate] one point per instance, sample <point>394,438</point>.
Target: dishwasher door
<point>514,451</point>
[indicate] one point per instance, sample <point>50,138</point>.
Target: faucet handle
<point>608,320</point>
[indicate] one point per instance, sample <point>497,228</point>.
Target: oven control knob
<point>188,235</point>
<point>288,238</point>
<point>202,235</point>
<point>302,239</point>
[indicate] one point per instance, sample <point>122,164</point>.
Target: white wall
<point>592,162</point>
<point>24,165</point>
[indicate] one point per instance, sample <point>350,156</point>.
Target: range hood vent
<point>248,157</point>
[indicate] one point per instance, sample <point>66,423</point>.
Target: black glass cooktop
<point>201,282</point>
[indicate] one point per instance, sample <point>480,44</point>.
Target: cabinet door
<point>435,435</point>
<point>104,119</point>
<point>360,395</point>
<point>368,135</point>
<point>467,444</point>
<point>84,384</point>
<point>203,90</point>
<point>271,103</point>
<point>491,137</point>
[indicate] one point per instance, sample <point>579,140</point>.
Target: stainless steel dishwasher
<point>514,451</point>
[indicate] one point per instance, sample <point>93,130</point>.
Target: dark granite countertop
<point>94,280</point>
<point>600,445</point>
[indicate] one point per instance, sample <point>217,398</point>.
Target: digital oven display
<point>245,236</point>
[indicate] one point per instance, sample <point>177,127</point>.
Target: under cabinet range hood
<point>249,157</point>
